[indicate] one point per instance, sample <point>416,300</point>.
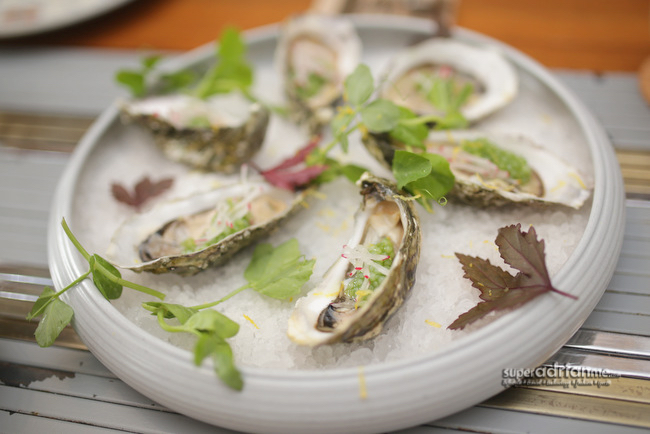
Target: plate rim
<point>600,151</point>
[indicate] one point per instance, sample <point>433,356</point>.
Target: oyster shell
<point>479,181</point>
<point>217,134</point>
<point>411,74</point>
<point>314,55</point>
<point>345,307</point>
<point>189,235</point>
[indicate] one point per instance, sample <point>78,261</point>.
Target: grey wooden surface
<point>68,390</point>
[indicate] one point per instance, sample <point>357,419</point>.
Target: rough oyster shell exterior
<point>219,148</point>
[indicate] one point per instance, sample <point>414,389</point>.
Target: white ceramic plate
<point>29,17</point>
<point>400,393</point>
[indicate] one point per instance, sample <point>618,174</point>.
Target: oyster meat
<point>216,134</point>
<point>494,169</point>
<point>314,55</point>
<point>415,76</point>
<point>189,235</point>
<point>371,279</point>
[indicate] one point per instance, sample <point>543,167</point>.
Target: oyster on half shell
<point>414,76</point>
<point>313,56</point>
<point>189,235</point>
<point>371,279</point>
<point>493,169</point>
<point>216,134</point>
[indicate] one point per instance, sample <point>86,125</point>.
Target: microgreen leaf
<point>278,272</point>
<point>231,45</point>
<point>109,289</point>
<point>408,167</point>
<point>132,80</point>
<point>136,80</point>
<point>335,169</point>
<point>231,72</point>
<point>222,357</point>
<point>170,310</point>
<point>359,85</point>
<point>499,289</point>
<point>150,62</point>
<point>56,317</point>
<point>424,174</point>
<point>340,126</point>
<point>451,120</point>
<point>380,116</point>
<point>352,171</point>
<point>211,321</point>
<point>43,300</point>
<point>176,80</point>
<point>409,134</point>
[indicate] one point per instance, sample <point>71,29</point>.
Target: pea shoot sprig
<point>426,176</point>
<point>56,314</point>
<point>278,272</point>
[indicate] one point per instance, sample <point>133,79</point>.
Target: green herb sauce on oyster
<point>516,166</point>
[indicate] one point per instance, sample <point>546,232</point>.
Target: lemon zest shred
<point>363,391</point>
<point>342,228</point>
<point>450,137</point>
<point>323,227</point>
<point>578,179</point>
<point>433,323</point>
<point>558,186</point>
<point>359,294</point>
<point>251,321</point>
<point>327,212</point>
<point>447,256</point>
<point>317,194</point>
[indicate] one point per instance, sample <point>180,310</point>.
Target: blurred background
<point>600,35</point>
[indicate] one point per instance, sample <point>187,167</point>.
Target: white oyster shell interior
<point>486,65</point>
<point>123,250</point>
<point>318,44</point>
<point>373,222</point>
